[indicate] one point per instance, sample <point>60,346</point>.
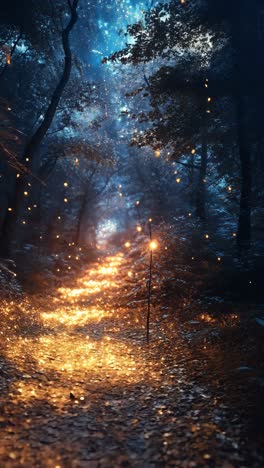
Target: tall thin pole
<point>149,283</point>
<point>149,295</point>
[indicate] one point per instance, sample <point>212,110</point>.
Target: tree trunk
<point>240,30</point>
<point>244,220</point>
<point>29,158</point>
<point>200,199</point>
<point>80,217</point>
<point>36,140</point>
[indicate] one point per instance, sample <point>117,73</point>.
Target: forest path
<point>80,387</point>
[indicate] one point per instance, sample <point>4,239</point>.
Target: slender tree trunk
<point>200,200</point>
<point>30,155</point>
<point>36,140</point>
<point>240,30</point>
<point>244,220</point>
<point>191,172</point>
<point>80,217</point>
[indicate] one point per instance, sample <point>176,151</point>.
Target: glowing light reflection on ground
<point>75,341</point>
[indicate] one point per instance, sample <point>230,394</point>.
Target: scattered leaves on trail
<point>80,388</point>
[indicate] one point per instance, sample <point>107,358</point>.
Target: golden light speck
<point>153,245</point>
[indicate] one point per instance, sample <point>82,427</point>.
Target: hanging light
<point>153,245</point>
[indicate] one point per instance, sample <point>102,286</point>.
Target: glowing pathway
<point>80,388</point>
<point>78,335</point>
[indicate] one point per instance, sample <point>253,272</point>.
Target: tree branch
<point>12,51</point>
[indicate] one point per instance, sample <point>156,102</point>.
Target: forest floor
<point>81,388</point>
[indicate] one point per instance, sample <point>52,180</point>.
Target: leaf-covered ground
<point>80,387</point>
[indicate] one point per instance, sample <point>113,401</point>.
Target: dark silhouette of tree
<point>30,157</point>
<point>210,50</point>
